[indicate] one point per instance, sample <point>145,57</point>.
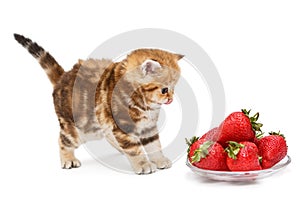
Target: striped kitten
<point>119,101</point>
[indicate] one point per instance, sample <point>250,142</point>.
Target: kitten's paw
<point>162,162</point>
<point>145,168</point>
<point>69,164</point>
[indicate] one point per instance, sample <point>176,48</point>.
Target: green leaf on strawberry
<point>233,149</point>
<point>202,151</point>
<point>189,142</point>
<point>253,119</point>
<point>276,133</point>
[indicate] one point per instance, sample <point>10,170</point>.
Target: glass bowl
<point>240,176</point>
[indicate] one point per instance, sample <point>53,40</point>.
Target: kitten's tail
<point>53,70</point>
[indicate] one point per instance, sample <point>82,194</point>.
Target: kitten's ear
<point>150,67</point>
<point>178,56</point>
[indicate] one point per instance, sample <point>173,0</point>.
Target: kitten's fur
<point>119,101</point>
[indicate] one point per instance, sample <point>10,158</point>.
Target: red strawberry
<point>242,156</point>
<point>272,149</point>
<point>213,134</point>
<point>238,126</point>
<point>206,154</point>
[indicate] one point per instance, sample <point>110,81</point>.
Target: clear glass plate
<point>240,176</point>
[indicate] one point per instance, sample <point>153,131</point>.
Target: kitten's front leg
<point>153,148</point>
<point>133,149</point>
<point>140,163</point>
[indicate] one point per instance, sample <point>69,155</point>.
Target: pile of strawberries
<point>237,144</point>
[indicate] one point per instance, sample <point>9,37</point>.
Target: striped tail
<point>53,70</point>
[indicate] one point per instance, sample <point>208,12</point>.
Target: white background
<point>255,46</point>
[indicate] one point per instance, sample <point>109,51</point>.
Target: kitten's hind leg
<point>67,158</point>
<point>67,144</point>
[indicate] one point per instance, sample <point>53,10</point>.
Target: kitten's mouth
<point>169,101</point>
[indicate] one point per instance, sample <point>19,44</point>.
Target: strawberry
<point>206,154</point>
<point>242,156</point>
<point>272,149</point>
<point>238,126</point>
<point>212,134</point>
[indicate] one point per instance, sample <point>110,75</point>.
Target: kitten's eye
<point>164,90</point>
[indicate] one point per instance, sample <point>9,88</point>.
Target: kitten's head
<point>154,73</point>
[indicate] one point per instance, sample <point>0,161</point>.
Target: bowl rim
<point>281,164</point>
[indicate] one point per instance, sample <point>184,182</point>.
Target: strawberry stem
<point>233,149</point>
<point>276,133</point>
<point>259,135</point>
<point>260,159</point>
<point>253,119</point>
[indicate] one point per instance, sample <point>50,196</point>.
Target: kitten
<point>116,100</point>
